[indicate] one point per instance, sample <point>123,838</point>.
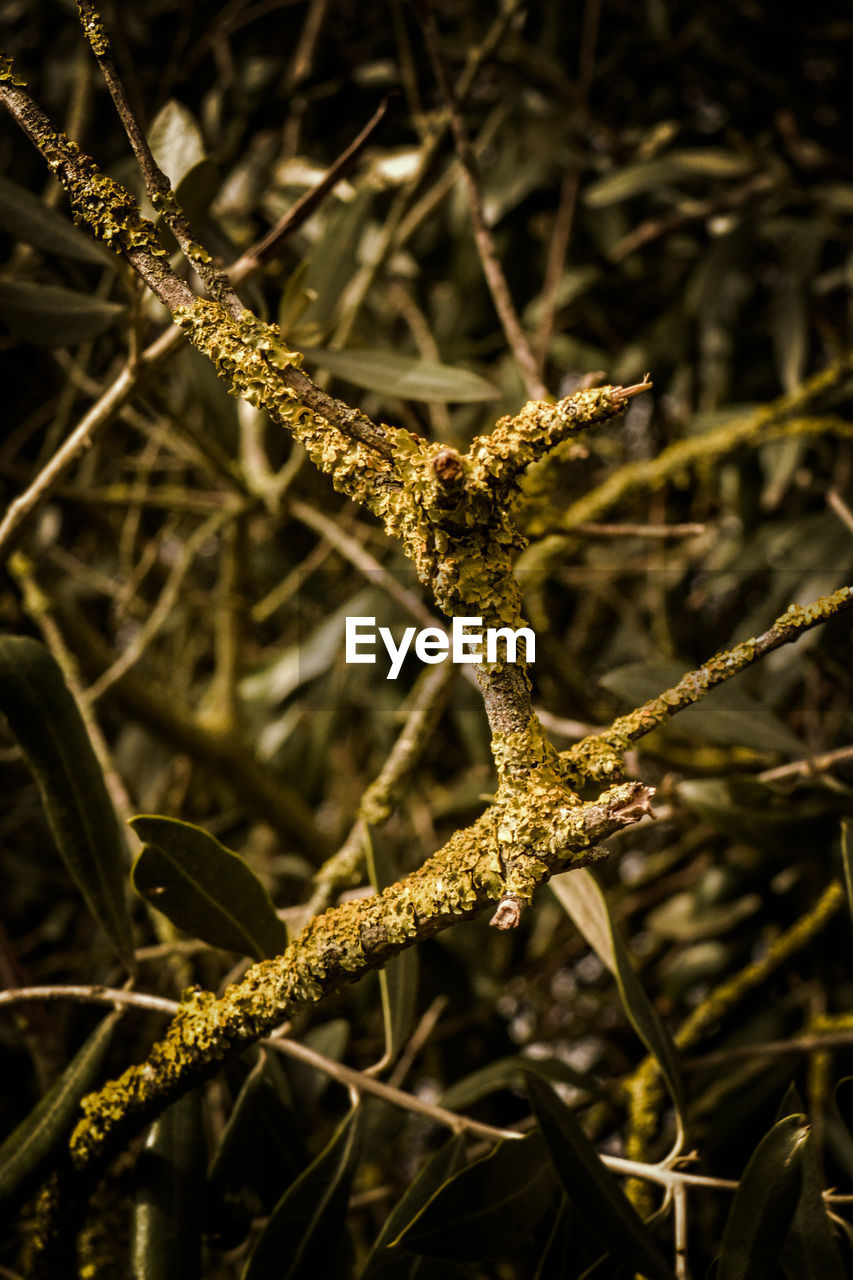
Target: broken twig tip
<point>636,389</point>
<point>508,913</point>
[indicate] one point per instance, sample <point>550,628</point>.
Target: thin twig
<point>357,1080</point>
<point>640,530</point>
<point>840,507</point>
<point>492,269</point>
<point>159,615</point>
<point>36,125</point>
<point>812,767</point>
<point>157,184</point>
<point>267,247</point>
<point>692,687</point>
<point>560,236</point>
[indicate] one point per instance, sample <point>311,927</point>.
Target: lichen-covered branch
<point>517,442</point>
<point>380,798</point>
<point>473,871</point>
<point>644,1087</point>
<point>157,184</point>
<point>111,214</point>
<point>785,417</point>
<point>599,756</point>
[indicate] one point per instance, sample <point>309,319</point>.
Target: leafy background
<point>696,159</point>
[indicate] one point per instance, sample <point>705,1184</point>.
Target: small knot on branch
<point>508,913</point>
<point>449,471</point>
<point>637,388</point>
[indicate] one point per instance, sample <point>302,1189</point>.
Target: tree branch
<point>600,755</point>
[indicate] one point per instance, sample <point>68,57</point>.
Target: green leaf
<point>308,1082</point>
<point>592,1189</point>
<point>305,1235</point>
<point>384,1258</point>
<point>166,1230</point>
<point>176,142</point>
<point>764,1204</point>
<point>751,810</point>
<point>27,1151</point>
<point>44,720</point>
<point>30,220</point>
<point>260,1151</point>
<point>403,377</point>
<point>489,1208</point>
<point>49,316</point>
<point>508,1073</point>
<point>398,979</point>
<point>333,260</point>
<point>582,898</point>
<point>204,888</point>
<point>663,171</point>
<point>810,1251</point>
<point>728,716</point>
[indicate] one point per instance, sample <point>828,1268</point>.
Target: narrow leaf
<point>847,859</point>
<point>404,377</point>
<point>489,1208</point>
<point>49,316</point>
<point>305,1235</point>
<point>590,1186</point>
<point>166,1232</point>
<point>27,1151</point>
<point>383,1259</point>
<point>44,720</point>
<point>176,141</point>
<point>662,171</point>
<point>581,896</point>
<point>810,1251</point>
<point>398,979</point>
<point>508,1073</point>
<point>30,220</point>
<point>764,1204</point>
<point>204,888</point>
<point>259,1154</point>
<point>728,715</point>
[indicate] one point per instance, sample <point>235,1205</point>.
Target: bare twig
<point>358,1080</point>
<point>157,184</point>
<point>37,127</point>
<point>557,250</point>
<point>492,269</point>
<point>696,684</point>
<point>267,247</point>
<point>814,766</point>
<point>840,507</point>
<point>640,530</point>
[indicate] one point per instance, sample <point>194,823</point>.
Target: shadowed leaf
<point>580,895</point>
<point>385,1260</point>
<point>488,1208</point>
<point>44,719</point>
<point>30,220</point>
<point>611,1217</point>
<point>764,1204</point>
<point>27,1151</point>
<point>204,888</point>
<point>406,377</point>
<point>305,1235</point>
<point>166,1231</point>
<point>49,316</point>
<point>398,979</point>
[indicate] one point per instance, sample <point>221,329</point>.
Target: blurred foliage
<point>694,158</point>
